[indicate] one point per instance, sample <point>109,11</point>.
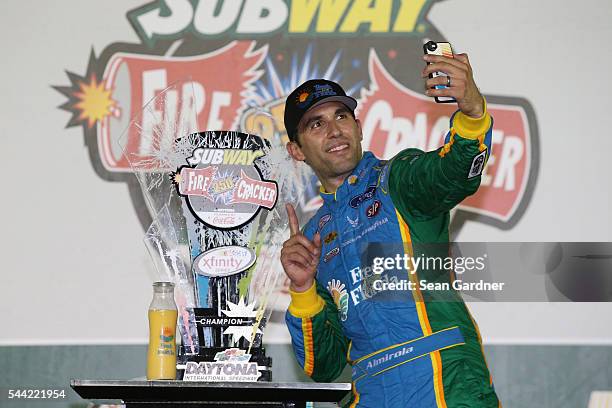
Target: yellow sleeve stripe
<point>307,303</point>
<point>308,346</point>
<point>447,146</point>
<point>482,145</point>
<point>471,128</point>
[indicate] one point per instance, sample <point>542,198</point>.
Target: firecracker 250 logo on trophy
<point>243,57</point>
<point>223,188</point>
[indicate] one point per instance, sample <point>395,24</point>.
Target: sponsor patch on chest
<point>331,254</point>
<point>339,294</point>
<point>357,200</point>
<point>324,220</point>
<point>330,237</point>
<point>373,209</point>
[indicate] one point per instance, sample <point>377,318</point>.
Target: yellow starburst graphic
<point>176,177</point>
<point>95,101</point>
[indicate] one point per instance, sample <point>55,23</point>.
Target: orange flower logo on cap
<point>303,96</point>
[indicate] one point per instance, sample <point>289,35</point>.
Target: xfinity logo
<point>224,261</point>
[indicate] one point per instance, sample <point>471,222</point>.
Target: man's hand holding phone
<point>458,83</point>
<point>299,255</point>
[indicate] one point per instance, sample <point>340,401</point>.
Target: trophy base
<point>179,394</point>
<point>217,364</point>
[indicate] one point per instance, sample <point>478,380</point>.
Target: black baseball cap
<point>308,95</point>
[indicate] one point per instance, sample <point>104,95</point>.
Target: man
<point>411,350</point>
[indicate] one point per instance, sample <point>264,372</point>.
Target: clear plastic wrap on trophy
<point>218,203</point>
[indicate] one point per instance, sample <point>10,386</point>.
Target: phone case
<point>444,49</point>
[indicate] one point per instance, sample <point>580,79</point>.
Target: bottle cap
<point>163,284</point>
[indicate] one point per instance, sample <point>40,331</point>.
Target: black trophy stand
<point>166,394</point>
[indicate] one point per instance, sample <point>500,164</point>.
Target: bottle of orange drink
<point>161,355</point>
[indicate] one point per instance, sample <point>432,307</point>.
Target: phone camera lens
<point>431,46</point>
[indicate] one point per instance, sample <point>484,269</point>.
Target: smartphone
<point>444,49</point>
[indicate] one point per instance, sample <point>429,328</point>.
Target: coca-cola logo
<point>224,221</point>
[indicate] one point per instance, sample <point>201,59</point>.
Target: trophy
<point>219,222</point>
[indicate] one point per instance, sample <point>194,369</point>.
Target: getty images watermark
<point>484,271</point>
<point>446,273</point>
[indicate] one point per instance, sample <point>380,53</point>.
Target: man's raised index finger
<point>294,224</point>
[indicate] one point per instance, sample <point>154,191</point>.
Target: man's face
<point>329,141</point>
